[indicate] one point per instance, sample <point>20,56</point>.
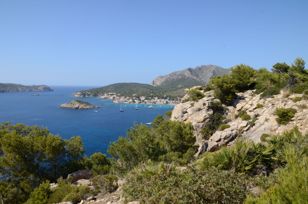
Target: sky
<point>98,42</point>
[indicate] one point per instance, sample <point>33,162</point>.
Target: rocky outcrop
<point>261,119</point>
<point>77,104</point>
<point>197,113</point>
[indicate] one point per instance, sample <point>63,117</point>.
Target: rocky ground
<point>261,111</point>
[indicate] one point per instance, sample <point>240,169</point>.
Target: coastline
<point>115,98</point>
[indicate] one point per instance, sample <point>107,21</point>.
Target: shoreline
<point>132,100</point>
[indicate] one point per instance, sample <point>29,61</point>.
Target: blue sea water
<point>98,128</point>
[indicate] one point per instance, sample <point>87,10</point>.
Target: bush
<point>68,192</point>
<point>296,99</point>
<point>40,194</point>
<point>223,127</point>
<point>166,184</point>
<point>285,115</point>
<point>259,106</point>
<point>163,140</point>
<point>264,137</point>
<point>195,94</point>
<point>243,115</point>
<point>290,184</point>
<point>214,121</point>
<point>105,183</point>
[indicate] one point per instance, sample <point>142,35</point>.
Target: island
<point>9,87</point>
<point>78,105</point>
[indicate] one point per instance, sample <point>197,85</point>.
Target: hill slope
<point>171,85</point>
<point>8,87</point>
<point>189,77</point>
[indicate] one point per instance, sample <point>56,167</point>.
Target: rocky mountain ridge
<point>196,76</point>
<point>260,118</point>
<point>171,86</point>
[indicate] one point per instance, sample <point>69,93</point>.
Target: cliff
<point>251,116</point>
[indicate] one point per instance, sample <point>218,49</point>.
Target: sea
<point>98,128</point>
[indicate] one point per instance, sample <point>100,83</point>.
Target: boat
<point>150,106</point>
<point>121,109</point>
<point>136,107</point>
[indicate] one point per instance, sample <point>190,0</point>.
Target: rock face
<point>23,88</point>
<point>77,104</point>
<point>192,76</point>
<point>262,117</point>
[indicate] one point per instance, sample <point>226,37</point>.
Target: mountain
<point>189,77</point>
<point>8,87</point>
<point>171,85</point>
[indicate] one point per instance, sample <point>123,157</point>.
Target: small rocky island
<point>78,105</point>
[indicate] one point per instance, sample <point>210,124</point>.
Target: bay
<point>98,128</point>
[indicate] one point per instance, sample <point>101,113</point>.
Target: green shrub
<point>98,163</point>
<point>285,115</point>
<point>290,184</point>
<point>105,183</point>
<point>223,127</point>
<point>195,94</point>
<point>166,184</point>
<point>259,106</point>
<point>164,139</point>
<point>214,121</point>
<point>243,115</point>
<point>68,192</point>
<point>40,194</point>
<point>296,99</point>
<point>264,137</point>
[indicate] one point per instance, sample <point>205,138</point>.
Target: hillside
<point>189,77</point>
<point>8,87</point>
<point>124,89</point>
<point>240,139</point>
<point>171,85</point>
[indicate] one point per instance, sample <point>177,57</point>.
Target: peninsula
<point>168,89</point>
<point>9,87</point>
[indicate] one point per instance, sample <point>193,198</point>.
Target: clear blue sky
<point>97,42</point>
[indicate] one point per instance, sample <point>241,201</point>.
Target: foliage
<point>280,68</point>
<point>43,156</point>
<point>243,78</point>
<point>164,140</point>
<point>31,155</point>
<point>68,192</point>
<point>259,106</point>
<point>290,184</point>
<point>244,115</point>
<point>105,183</point>
<point>165,183</point>
<point>264,137</point>
<point>98,163</point>
<point>195,95</point>
<point>40,194</point>
<point>223,127</point>
<point>214,121</point>
<point>285,115</point>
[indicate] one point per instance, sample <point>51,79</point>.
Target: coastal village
<point>134,99</point>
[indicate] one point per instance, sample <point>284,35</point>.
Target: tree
<point>299,65</point>
<point>281,68</point>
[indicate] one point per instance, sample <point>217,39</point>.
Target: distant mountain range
<point>8,87</point>
<point>171,85</point>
